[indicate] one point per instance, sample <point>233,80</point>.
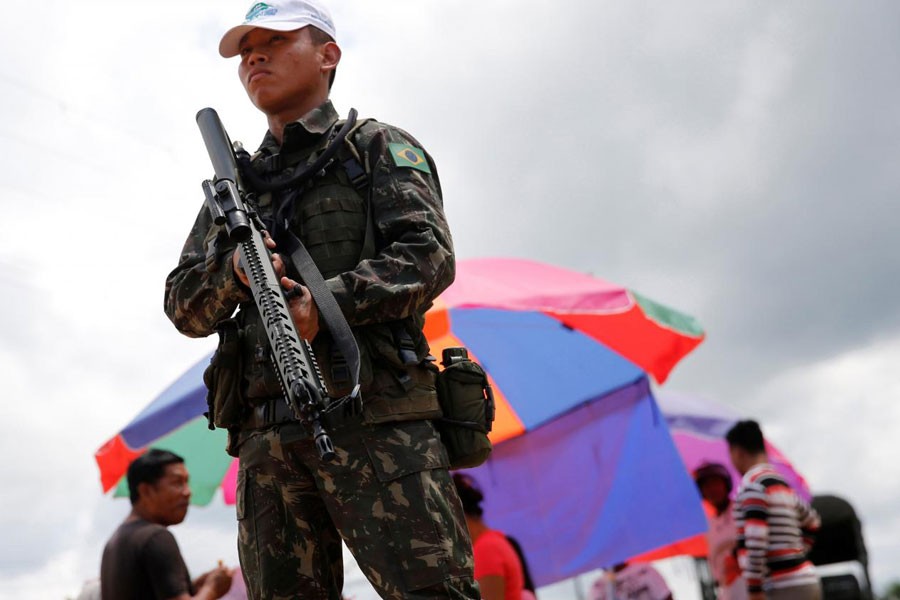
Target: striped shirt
<point>775,532</point>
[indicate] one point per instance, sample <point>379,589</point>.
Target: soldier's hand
<point>277,263</point>
<point>303,308</point>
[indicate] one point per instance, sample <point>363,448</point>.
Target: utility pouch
<point>468,405</point>
<point>223,379</point>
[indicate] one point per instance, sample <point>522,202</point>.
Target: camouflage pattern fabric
<point>388,494</point>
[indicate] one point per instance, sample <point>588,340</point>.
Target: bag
<point>468,405</point>
<point>223,379</point>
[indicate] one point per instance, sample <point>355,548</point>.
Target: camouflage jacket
<point>413,259</point>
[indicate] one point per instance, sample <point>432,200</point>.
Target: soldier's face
<point>281,70</point>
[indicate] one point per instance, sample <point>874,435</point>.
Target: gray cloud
<point>736,163</point>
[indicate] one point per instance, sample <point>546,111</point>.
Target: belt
<point>267,413</point>
<point>275,411</point>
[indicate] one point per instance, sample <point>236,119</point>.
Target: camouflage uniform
<point>388,493</point>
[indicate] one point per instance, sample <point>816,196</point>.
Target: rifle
<point>301,381</point>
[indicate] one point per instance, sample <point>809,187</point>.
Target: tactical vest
<point>330,215</point>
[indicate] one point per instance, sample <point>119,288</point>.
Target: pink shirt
<point>721,539</point>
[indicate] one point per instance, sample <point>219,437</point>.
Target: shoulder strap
<point>357,170</point>
<point>331,313</point>
<point>359,174</point>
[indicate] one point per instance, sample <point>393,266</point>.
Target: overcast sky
<point>737,161</point>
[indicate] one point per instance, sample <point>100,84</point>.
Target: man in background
<point>775,526</point>
<point>142,560</point>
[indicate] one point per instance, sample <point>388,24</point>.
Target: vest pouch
<point>223,379</point>
<point>467,403</point>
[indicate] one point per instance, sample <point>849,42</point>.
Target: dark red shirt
<point>141,561</point>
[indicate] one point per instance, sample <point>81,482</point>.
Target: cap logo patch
<point>260,9</point>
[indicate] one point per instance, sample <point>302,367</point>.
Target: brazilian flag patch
<point>409,156</point>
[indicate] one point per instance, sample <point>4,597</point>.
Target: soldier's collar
<point>305,131</point>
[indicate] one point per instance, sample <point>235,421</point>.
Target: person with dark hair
<point>363,199</point>
<point>498,569</point>
<point>142,560</point>
<point>746,437</point>
<point>714,482</point>
<point>775,527</point>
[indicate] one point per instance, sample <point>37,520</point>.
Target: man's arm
<point>753,535</point>
<point>809,522</point>
<point>203,289</point>
<point>211,585</point>
<point>415,260</point>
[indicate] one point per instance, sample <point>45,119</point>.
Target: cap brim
<point>231,41</point>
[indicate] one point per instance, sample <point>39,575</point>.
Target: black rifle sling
<point>327,306</point>
<point>359,179</point>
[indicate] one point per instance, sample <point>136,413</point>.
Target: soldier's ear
<point>331,56</point>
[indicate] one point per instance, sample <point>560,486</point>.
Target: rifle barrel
<point>217,144</point>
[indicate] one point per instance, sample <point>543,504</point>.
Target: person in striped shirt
<point>776,527</point>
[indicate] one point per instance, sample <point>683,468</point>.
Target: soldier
<point>374,225</point>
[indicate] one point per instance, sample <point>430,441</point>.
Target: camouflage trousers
<point>388,494</point>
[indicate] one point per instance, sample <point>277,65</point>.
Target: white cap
<point>278,15</point>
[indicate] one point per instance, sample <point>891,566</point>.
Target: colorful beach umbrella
<point>569,357</point>
<point>172,421</point>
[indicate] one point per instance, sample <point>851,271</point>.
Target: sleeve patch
<point>408,156</point>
